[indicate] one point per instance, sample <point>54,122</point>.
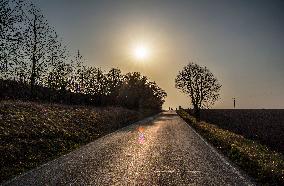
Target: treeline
<point>37,65</point>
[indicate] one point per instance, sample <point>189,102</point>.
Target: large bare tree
<point>200,85</point>
<point>39,42</point>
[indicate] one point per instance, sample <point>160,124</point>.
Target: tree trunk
<point>197,113</point>
<point>33,75</point>
<point>32,85</point>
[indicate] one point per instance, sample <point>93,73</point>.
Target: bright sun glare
<point>141,52</point>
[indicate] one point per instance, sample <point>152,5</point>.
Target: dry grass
<point>33,133</point>
<point>263,125</point>
<point>266,166</point>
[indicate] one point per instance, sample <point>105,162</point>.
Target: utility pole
<point>234,99</point>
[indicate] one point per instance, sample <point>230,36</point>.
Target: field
<point>263,125</point>
<point>264,165</point>
<point>34,133</point>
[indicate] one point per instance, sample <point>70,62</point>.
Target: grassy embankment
<point>33,133</point>
<point>263,164</point>
<point>265,126</point>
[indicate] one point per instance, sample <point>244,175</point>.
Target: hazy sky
<point>241,42</point>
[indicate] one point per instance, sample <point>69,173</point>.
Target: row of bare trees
<point>30,48</point>
<point>36,64</point>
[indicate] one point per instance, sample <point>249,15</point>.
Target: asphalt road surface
<point>161,150</point>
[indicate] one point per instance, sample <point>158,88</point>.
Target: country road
<point>162,150</point>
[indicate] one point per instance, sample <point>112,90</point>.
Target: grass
<point>264,165</point>
<point>33,133</point>
<point>263,125</point>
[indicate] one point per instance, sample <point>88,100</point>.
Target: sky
<point>241,42</point>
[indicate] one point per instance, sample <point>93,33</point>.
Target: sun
<point>141,52</point>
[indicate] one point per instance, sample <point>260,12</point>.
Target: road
<point>162,150</point>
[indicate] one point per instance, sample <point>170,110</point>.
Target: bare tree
<point>90,81</point>
<point>10,37</point>
<point>200,84</point>
<point>39,41</point>
<point>114,83</point>
<point>98,83</point>
<point>114,80</point>
<point>91,85</point>
<point>31,52</point>
<point>101,82</point>
<point>77,79</point>
<point>59,70</point>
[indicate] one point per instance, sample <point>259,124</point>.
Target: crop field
<point>263,125</point>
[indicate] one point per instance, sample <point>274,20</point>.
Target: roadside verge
<point>32,134</point>
<point>264,165</point>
